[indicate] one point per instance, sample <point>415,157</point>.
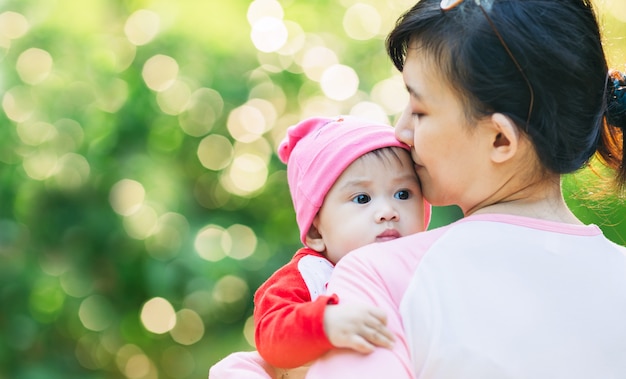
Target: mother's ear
<point>506,138</point>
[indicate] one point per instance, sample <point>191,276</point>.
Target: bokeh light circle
<point>212,242</point>
<point>362,22</point>
<point>13,25</point>
<point>269,34</point>
<point>96,313</point>
<point>246,123</point>
<point>18,104</point>
<point>189,327</point>
<point>230,289</point>
<point>247,174</point>
<point>316,60</point>
<point>158,316</point>
<point>34,65</point>
<point>339,82</point>
<point>173,100</point>
<point>215,152</point>
<point>204,108</point>
<point>127,196</point>
<point>141,27</point>
<point>371,111</point>
<point>391,94</point>
<point>141,223</point>
<point>160,72</point>
<point>259,9</point>
<point>244,241</point>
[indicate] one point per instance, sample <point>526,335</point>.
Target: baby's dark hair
<point>572,109</point>
<point>387,154</point>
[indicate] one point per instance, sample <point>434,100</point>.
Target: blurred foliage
<point>141,203</point>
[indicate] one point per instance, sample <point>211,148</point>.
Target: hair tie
<point>616,111</point>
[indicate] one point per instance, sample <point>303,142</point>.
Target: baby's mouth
<point>387,235</point>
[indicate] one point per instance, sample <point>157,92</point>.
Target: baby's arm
<point>289,327</point>
<point>291,330</point>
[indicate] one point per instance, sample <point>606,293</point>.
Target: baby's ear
<point>314,239</point>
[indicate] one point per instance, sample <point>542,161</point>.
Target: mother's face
<point>451,155</point>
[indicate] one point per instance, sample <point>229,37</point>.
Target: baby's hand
<point>357,326</point>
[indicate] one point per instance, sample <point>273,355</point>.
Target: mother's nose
<point>404,127</point>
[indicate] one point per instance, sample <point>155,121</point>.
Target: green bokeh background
<point>117,194</point>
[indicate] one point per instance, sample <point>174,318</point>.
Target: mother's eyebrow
<point>414,94</point>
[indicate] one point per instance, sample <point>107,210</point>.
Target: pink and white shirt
<point>489,297</point>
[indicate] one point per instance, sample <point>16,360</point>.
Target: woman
<point>505,97</point>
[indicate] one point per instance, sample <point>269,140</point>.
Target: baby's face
<point>376,199</point>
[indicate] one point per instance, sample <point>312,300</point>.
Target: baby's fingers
<point>361,344</point>
<point>378,314</point>
<point>379,336</point>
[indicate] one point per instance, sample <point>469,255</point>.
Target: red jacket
<point>289,311</point>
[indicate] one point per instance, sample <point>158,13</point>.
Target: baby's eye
<point>361,199</point>
<point>402,195</point>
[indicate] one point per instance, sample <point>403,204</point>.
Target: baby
<point>352,183</point>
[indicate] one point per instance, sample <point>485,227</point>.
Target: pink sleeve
<point>364,277</point>
<point>242,365</point>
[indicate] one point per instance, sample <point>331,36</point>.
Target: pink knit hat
<point>318,150</point>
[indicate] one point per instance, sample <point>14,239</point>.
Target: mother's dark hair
<point>558,46</point>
